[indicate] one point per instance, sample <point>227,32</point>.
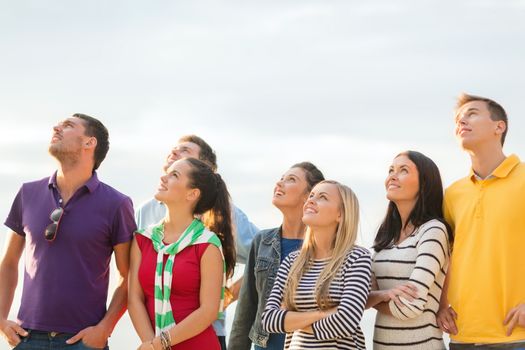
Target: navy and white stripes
<point>349,290</point>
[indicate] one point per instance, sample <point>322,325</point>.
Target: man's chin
<point>466,145</point>
<point>53,150</point>
<point>63,156</point>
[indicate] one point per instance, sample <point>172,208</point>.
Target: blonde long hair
<point>344,242</point>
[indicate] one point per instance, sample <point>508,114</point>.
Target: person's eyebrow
<point>68,122</point>
<point>471,109</point>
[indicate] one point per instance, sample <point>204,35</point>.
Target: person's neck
<point>405,208</point>
<point>293,227</point>
<point>71,177</point>
<point>176,222</point>
<point>323,238</point>
<point>486,159</point>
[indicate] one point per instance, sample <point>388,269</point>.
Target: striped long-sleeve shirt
<point>422,259</point>
<point>349,290</point>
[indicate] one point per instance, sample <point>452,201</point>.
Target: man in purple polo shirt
<point>70,224</point>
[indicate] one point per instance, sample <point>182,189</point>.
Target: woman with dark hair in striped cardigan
<point>412,255</point>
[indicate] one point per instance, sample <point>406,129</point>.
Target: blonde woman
<point>320,292</point>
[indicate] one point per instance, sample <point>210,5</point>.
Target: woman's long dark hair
<point>429,204</point>
<point>214,204</point>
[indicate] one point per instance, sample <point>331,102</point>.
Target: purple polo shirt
<point>66,281</point>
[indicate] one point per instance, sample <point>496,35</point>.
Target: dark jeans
<point>500,346</point>
<point>37,340</point>
<point>222,341</point>
<point>275,342</point>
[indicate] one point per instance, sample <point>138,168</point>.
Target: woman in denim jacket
<point>268,250</point>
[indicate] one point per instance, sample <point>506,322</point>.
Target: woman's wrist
<point>321,314</point>
<point>156,343</point>
<point>327,312</point>
<point>384,296</point>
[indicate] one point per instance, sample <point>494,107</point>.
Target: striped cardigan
<point>349,290</point>
<point>422,258</point>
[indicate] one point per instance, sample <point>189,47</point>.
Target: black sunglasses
<point>52,229</point>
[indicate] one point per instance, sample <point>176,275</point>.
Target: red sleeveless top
<point>185,289</point>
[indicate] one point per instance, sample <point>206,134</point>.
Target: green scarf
<point>194,234</point>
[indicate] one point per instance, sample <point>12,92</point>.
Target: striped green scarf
<point>194,234</point>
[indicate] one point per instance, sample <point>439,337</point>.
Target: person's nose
<point>310,201</point>
<point>392,176</point>
<point>58,127</point>
<point>462,120</point>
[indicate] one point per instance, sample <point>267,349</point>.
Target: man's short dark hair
<point>94,128</point>
<point>496,110</point>
<point>206,153</point>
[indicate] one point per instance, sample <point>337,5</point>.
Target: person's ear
<point>91,142</point>
<point>193,194</point>
<point>501,126</point>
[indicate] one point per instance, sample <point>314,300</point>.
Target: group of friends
<point>443,261</point>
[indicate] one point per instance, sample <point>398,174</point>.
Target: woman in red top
<point>189,189</point>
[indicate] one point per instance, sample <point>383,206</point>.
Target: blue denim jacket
<point>259,274</point>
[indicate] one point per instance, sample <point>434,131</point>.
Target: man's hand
<point>446,320</point>
<point>232,293</point>
<point>228,298</point>
<point>11,331</point>
<point>94,337</point>
<point>515,317</point>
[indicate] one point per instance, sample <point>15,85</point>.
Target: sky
<point>344,84</point>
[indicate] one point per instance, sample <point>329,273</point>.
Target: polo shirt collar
<point>91,184</point>
<point>502,171</point>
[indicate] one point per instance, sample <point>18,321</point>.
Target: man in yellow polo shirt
<point>485,304</point>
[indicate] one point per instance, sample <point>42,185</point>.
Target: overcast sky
<point>344,84</point>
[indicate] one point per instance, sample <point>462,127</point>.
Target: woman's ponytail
<point>214,205</point>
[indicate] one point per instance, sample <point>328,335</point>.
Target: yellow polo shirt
<point>487,274</point>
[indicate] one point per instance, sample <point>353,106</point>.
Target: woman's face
<point>402,182</point>
<point>291,190</point>
<point>323,207</point>
<point>173,187</point>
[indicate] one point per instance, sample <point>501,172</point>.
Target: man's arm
<point>446,315</point>
<point>245,232</point>
<point>97,336</point>
<point>9,276</point>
